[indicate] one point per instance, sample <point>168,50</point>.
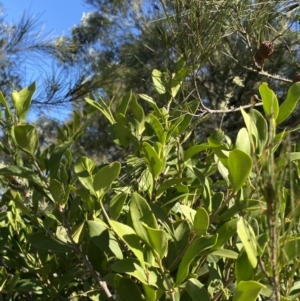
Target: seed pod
<point>265,50</point>
<point>296,77</point>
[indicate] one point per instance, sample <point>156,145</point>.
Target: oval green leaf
<point>22,100</point>
<point>239,168</point>
<point>157,240</point>
<point>104,177</point>
<point>288,106</point>
<point>247,237</point>
<point>140,212</point>
<point>154,163</point>
<point>197,290</point>
<point>26,137</point>
<point>127,234</point>
<point>269,100</point>
<point>247,291</point>
<point>201,222</point>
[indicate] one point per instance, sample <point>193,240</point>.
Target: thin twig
<point>85,261</point>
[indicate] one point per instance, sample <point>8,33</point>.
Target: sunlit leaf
<point>239,167</point>
<point>104,177</point>
<point>247,236</point>
<point>288,106</point>
<point>269,100</point>
<point>26,137</point>
<point>247,291</point>
<point>22,100</point>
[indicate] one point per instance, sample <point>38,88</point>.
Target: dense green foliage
<point>177,177</point>
<point>177,220</point>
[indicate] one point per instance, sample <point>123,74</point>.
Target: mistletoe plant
<point>177,220</point>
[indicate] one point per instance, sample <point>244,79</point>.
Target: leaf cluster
<point>176,220</point>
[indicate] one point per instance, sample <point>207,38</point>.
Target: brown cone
<point>265,50</point>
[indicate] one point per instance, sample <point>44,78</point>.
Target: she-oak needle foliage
<point>176,220</point>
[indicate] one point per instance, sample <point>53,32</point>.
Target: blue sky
<point>56,17</point>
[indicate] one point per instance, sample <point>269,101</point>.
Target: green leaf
<point>140,212</point>
<point>173,128</point>
<point>127,234</point>
<point>239,168</point>
<point>57,191</point>
<point>247,291</point>
<point>97,258</point>
<point>146,181</point>
<point>104,177</point>
<point>262,130</point>
<point>5,104</point>
<point>176,246</point>
<point>26,137</point>
<point>224,253</point>
<point>243,269</point>
<point>269,100</point>
<point>162,217</point>
<point>206,188</point>
<point>132,267</point>
<point>127,289</point>
<point>247,237</point>
<point>158,82</point>
<point>158,128</point>
<point>123,104</point>
<point>225,232</point>
<point>137,110</point>
<point>116,204</point>
<point>169,183</point>
<point>188,212</point>
<point>145,225</point>
<point>243,142</point>
<point>22,100</point>
<point>104,239</point>
<point>103,108</point>
<point>22,172</point>
<point>290,249</point>
<point>196,290</point>
<point>175,86</point>
<point>157,240</point>
<point>201,222</point>
<point>251,127</point>
<point>56,156</point>
<point>40,241</point>
<point>150,293</point>
<point>84,168</point>
<point>78,232</point>
<point>199,245</point>
<point>192,151</point>
<point>152,103</point>
<point>288,106</point>
<point>153,161</point>
<point>249,205</point>
<point>121,134</point>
